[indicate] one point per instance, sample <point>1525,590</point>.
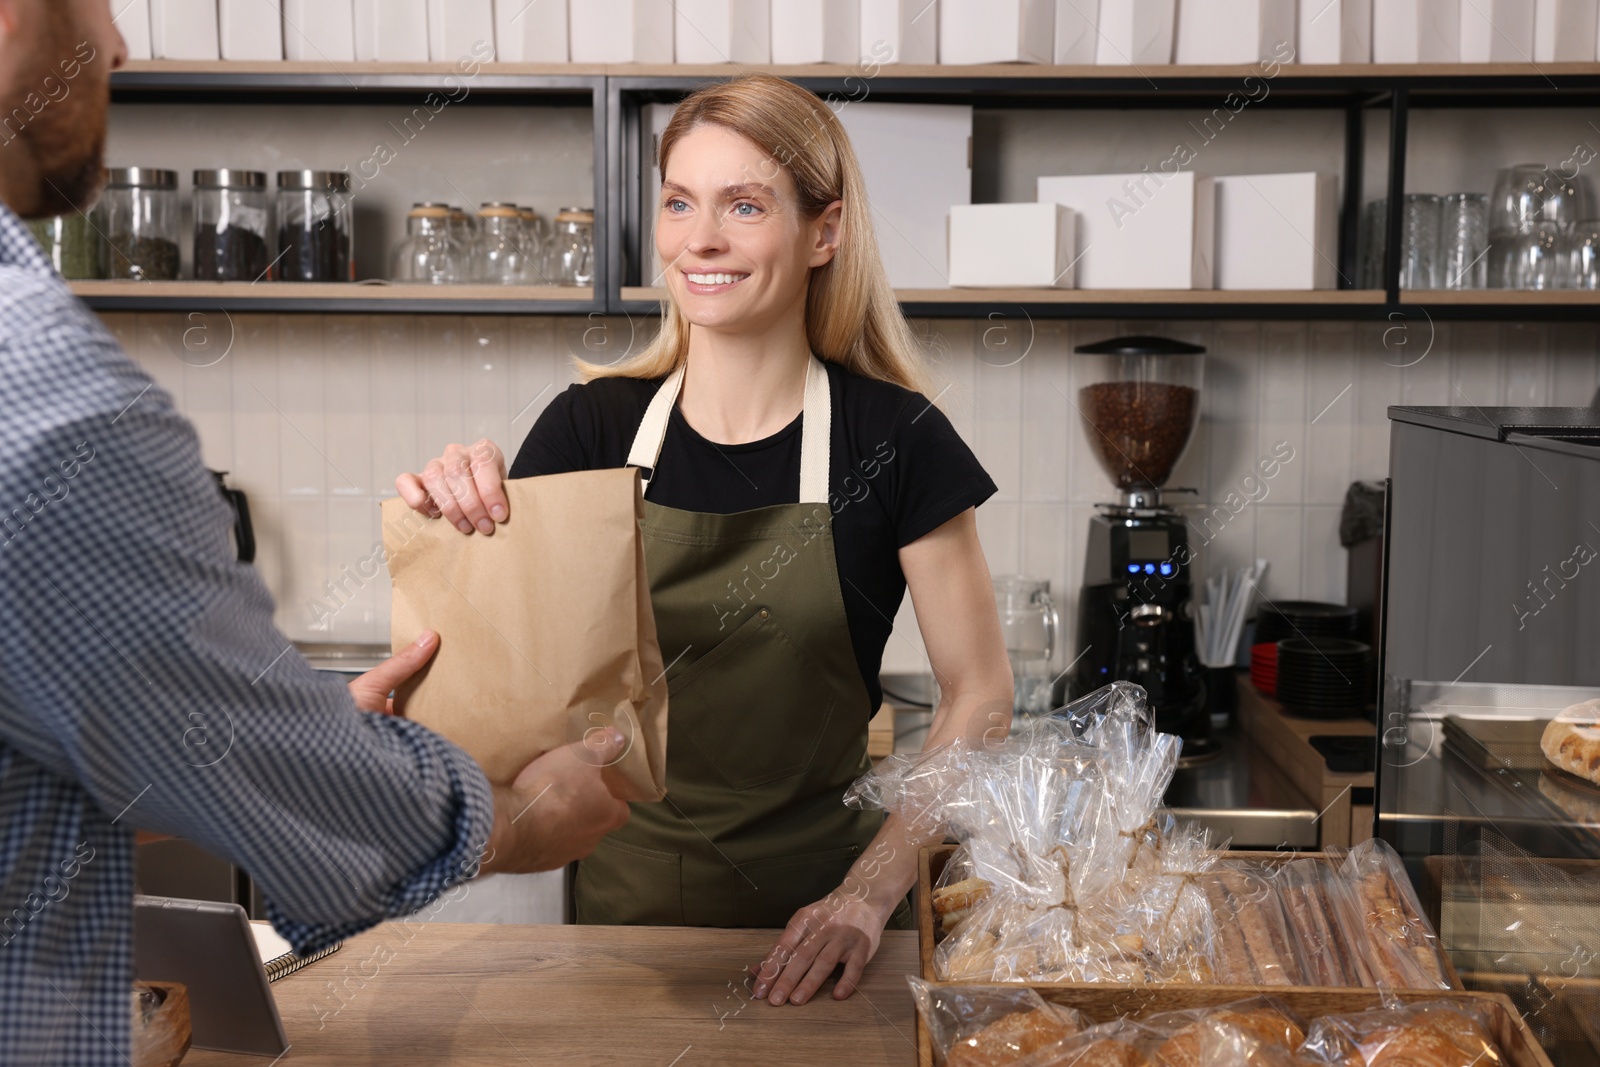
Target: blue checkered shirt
<point>143,684</point>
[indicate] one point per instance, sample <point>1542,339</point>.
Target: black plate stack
<point>1276,620</point>
<point>1323,677</point>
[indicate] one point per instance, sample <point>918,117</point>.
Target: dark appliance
<point>1140,408</point>
<point>244,536</point>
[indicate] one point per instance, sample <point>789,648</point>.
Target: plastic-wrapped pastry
<point>1402,951</point>
<point>988,1026</point>
<point>1261,1019</point>
<point>1428,1034</point>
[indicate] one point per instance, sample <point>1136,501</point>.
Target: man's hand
<point>558,809</point>
<point>843,927</point>
<point>371,690</point>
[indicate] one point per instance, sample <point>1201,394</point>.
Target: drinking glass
<point>1420,261</point>
<point>1586,255</point>
<point>1541,259</point>
<point>1374,231</point>
<point>1029,623</point>
<point>1464,241</point>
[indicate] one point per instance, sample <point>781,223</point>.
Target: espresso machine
<point>1140,407</point>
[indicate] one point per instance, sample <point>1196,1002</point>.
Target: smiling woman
<point>797,483</point>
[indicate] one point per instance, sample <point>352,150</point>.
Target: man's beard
<point>67,138</point>
<point>70,181</point>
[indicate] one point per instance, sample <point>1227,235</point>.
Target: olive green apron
<point>767,713</point>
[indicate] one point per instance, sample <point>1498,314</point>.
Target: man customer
<point>142,683</point>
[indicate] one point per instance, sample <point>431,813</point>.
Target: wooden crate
<point>1103,1003</point>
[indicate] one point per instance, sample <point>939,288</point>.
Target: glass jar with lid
<point>232,226</point>
<point>498,256</point>
<point>73,245</point>
<point>570,260</point>
<point>140,218</point>
<point>316,232</point>
<point>429,254</point>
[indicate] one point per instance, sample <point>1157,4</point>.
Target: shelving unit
<point>616,94</point>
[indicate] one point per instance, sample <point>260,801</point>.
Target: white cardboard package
<point>530,31</point>
<point>1234,31</point>
<point>1011,246</point>
<point>392,31</point>
<point>1497,31</point>
<point>900,31</point>
<point>133,22</point>
<point>816,31</point>
<point>996,31</point>
<point>250,29</point>
<point>1277,231</point>
<point>1136,31</point>
<point>620,31</point>
<point>183,29</point>
<point>319,31</point>
<point>722,31</point>
<point>1334,31</point>
<point>1077,31</point>
<point>1564,30</point>
<point>1416,31</point>
<point>1140,231</point>
<point>916,159</point>
<point>458,29</point>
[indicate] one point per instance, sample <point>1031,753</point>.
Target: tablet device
<point>208,947</point>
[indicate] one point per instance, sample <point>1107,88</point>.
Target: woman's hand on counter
<point>371,690</point>
<point>842,928</point>
<point>465,485</point>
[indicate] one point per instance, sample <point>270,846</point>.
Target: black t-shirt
<point>897,471</point>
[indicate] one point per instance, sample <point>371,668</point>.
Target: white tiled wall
<point>315,415</point>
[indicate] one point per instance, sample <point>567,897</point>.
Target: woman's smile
<point>711,282</point>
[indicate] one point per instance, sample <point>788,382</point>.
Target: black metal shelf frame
<point>616,100</point>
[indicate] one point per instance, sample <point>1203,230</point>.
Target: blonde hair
<point>852,317</point>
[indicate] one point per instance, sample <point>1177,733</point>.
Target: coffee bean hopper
<point>1140,406</point>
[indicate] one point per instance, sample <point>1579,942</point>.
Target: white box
<point>250,29</point>
<point>997,31</point>
<point>321,31</point>
<point>620,31</point>
<point>1136,32</point>
<point>133,22</point>
<point>530,31</point>
<point>1234,31</point>
<point>1077,31</point>
<point>1011,246</point>
<point>816,31</point>
<point>1334,31</point>
<point>459,29</point>
<point>1140,231</point>
<point>1564,30</point>
<point>916,159</point>
<point>1277,231</point>
<point>394,31</point>
<point>1416,31</point>
<point>183,29</point>
<point>723,31</point>
<point>900,31</point>
<point>1497,31</point>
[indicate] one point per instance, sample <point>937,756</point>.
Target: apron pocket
<point>723,701</point>
<point>624,884</point>
<point>784,885</point>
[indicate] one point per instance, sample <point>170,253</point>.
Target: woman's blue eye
<point>740,209</point>
<point>674,205</point>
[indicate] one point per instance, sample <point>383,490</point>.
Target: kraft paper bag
<point>545,628</point>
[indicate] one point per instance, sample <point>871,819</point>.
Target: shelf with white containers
<point>1118,33</point>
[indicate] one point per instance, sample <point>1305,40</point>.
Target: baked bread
<point>1401,953</point>
<point>959,896</point>
<point>1104,1052</point>
<point>1010,1038</point>
<point>1266,1025</point>
<point>1572,740</point>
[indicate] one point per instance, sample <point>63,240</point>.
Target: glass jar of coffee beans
<point>232,226</point>
<point>139,215</point>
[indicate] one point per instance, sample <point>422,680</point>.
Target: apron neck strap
<point>815,432</point>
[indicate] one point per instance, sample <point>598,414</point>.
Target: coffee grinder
<point>1140,406</point>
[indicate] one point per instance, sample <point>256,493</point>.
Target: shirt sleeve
<point>936,476</point>
<point>139,659</point>
<point>559,440</point>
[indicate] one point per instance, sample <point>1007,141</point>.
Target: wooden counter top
<point>489,995</point>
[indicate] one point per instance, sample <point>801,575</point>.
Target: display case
<point>1491,630</point>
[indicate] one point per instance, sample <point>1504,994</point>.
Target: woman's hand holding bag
<point>464,485</point>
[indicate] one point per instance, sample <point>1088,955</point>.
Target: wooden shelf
<point>334,297</point>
